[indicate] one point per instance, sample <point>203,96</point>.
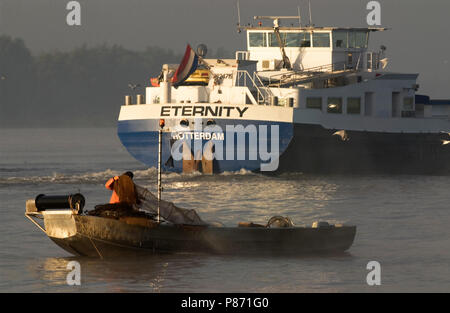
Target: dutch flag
<point>187,66</point>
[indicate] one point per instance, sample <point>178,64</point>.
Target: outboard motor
<point>75,202</point>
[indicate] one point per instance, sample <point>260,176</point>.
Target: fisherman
<point>123,189</point>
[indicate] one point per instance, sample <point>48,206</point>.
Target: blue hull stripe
<point>140,138</point>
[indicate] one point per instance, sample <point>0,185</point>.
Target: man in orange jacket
<point>110,185</point>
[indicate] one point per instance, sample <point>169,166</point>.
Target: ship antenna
<point>310,17</point>
<point>239,16</point>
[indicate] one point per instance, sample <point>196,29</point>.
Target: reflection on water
<point>143,274</point>
<point>186,272</point>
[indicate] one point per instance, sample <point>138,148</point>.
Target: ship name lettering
<point>189,110</point>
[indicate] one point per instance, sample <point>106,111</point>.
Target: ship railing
<point>262,93</point>
<point>257,79</point>
<point>308,74</point>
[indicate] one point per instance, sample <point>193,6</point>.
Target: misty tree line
<point>82,87</point>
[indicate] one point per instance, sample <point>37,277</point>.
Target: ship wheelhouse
<point>311,47</point>
<point>332,70</point>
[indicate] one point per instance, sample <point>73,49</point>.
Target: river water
<point>403,223</point>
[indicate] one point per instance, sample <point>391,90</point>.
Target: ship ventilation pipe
<point>127,100</point>
<point>139,99</point>
<point>166,86</point>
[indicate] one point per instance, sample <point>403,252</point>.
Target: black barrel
<point>74,201</point>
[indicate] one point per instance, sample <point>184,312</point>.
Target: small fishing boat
<point>85,235</point>
<point>160,226</point>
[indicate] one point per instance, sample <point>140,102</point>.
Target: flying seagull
<point>134,86</point>
<point>343,134</point>
<point>445,142</point>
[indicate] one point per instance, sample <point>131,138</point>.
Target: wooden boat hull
<point>105,237</point>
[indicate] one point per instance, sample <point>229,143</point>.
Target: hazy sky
<point>419,41</point>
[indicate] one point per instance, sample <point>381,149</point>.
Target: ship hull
<point>140,138</point>
<point>315,149</point>
<point>309,148</point>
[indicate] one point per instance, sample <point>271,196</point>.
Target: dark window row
<point>334,104</point>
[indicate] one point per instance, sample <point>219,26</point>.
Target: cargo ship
<point>298,99</point>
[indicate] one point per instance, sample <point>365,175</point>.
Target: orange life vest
<point>110,185</point>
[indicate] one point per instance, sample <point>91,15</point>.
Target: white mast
<point>310,17</point>
<point>239,13</point>
<point>161,126</point>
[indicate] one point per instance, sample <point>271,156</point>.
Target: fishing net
<point>168,211</point>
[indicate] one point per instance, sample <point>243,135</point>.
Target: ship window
<point>314,103</point>
<point>321,40</point>
<point>350,59</point>
<point>298,39</point>
<point>361,40</point>
<point>353,105</point>
<point>408,103</point>
<point>357,39</point>
<point>257,39</point>
<point>302,39</point>
<point>340,39</point>
<point>273,42</point>
<point>351,39</point>
<point>334,105</point>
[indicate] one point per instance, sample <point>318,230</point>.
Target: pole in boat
<point>161,126</point>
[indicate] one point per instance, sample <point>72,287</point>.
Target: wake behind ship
<point>304,99</point>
